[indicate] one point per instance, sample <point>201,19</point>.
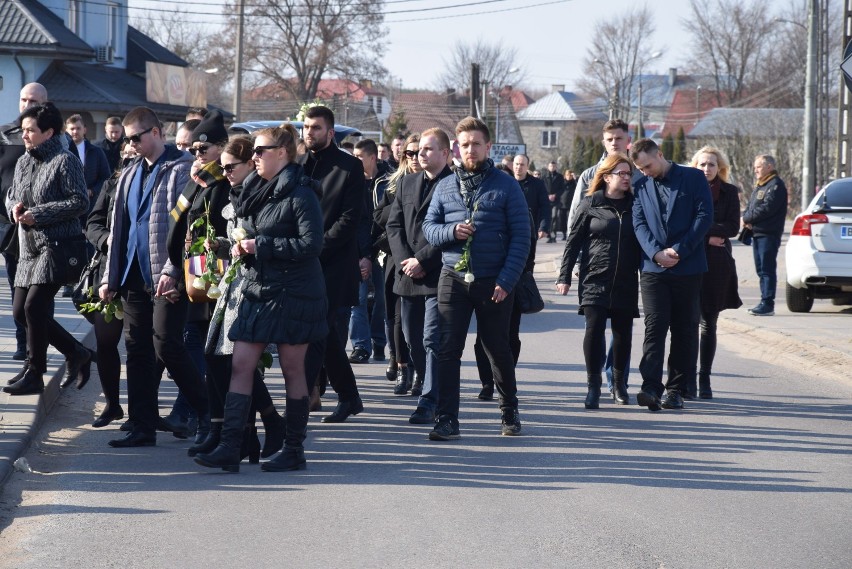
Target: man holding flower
<point>479,220</point>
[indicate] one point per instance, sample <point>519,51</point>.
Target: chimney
<point>557,88</point>
<point>366,84</point>
<point>672,76</point>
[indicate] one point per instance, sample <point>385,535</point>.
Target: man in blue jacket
<point>672,211</point>
<point>479,220</point>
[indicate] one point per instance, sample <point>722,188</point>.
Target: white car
<point>819,251</point>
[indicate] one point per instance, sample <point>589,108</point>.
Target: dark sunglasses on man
<point>137,138</point>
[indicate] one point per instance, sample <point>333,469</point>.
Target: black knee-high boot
<point>227,455</point>
<point>293,455</point>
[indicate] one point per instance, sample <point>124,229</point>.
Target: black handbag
<point>746,235</point>
<point>69,257</point>
<point>527,294</point>
<point>86,290</point>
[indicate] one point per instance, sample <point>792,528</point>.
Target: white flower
<point>119,314</point>
<point>468,277</point>
<point>214,292</point>
<point>199,284</point>
<point>238,234</point>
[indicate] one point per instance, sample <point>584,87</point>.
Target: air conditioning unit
<point>103,54</point>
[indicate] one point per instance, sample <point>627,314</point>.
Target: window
<point>549,138</point>
<point>112,26</point>
<point>75,16</point>
<point>379,101</point>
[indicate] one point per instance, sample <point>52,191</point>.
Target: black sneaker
<point>649,400</point>
<point>447,429</point>
<point>762,309</point>
<point>672,400</point>
<point>511,422</point>
<point>422,416</point>
<point>359,356</point>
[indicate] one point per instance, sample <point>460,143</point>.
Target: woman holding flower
<point>284,300</point>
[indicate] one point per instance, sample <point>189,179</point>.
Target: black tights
<point>219,378</point>
<point>32,307</point>
<point>594,344</point>
<point>107,337</point>
<point>707,346</point>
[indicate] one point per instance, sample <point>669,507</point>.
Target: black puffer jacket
<point>767,207</point>
<point>609,270</point>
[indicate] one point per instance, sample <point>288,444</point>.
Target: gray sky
<point>551,39</point>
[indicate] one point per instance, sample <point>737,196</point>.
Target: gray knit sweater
<point>49,181</point>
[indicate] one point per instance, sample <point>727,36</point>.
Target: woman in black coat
<point>719,286</point>
<point>284,300</point>
<point>609,271</point>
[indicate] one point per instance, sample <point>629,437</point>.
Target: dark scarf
<point>469,182</point>
<point>259,191</point>
<point>716,188</point>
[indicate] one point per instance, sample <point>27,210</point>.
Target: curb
<point>30,418</point>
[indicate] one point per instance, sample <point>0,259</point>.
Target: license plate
<point>846,231</point>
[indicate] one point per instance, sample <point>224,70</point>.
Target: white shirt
<point>81,152</point>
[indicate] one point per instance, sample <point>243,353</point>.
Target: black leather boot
<point>689,390</point>
<point>17,377</point>
<point>250,447</point>
<point>417,386</point>
<point>619,390</point>
<point>293,455</point>
<point>404,379</point>
<point>75,363</point>
<point>227,454</point>
<point>210,442</point>
<point>31,382</point>
<point>593,397</point>
<point>275,429</point>
<point>704,391</point>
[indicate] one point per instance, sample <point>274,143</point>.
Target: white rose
<point>119,314</point>
<point>238,234</point>
<point>214,292</point>
<point>199,284</point>
<point>468,277</point>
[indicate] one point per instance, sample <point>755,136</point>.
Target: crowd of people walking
<point>213,253</point>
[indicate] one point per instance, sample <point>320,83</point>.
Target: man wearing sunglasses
<point>139,271</point>
<point>340,177</point>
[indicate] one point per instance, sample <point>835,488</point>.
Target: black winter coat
<point>537,202</point>
<point>284,297</point>
<point>405,234</point>
<point>609,269</point>
<point>767,208</point>
<point>99,222</point>
<point>380,222</point>
<point>719,285</point>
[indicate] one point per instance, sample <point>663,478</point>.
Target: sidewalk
<point>21,416</point>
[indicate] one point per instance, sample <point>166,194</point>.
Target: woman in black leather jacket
<point>609,271</point>
<point>284,300</point>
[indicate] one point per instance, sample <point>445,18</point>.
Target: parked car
<point>340,131</point>
<point>819,251</point>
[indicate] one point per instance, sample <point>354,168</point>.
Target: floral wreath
<point>303,110</point>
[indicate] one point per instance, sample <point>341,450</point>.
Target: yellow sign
<point>172,85</point>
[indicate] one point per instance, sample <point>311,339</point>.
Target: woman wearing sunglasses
<point>284,300</point>
<point>609,272</point>
<point>398,368</point>
<point>207,190</point>
<point>237,164</point>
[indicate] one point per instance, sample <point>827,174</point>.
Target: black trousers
<point>393,318</point>
<point>107,336</point>
<point>11,270</point>
<point>483,364</point>
<point>594,342</point>
<point>330,353</point>
<point>33,308</point>
<point>457,302</point>
<point>671,302</point>
<point>153,328</point>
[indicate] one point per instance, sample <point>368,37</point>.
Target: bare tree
<point>618,54</point>
<point>296,43</point>
<point>498,65</point>
<point>730,41</point>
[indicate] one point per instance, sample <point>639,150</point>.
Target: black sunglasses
<point>137,138</point>
<point>410,153</point>
<point>196,150</point>
<point>230,167</point>
<point>258,150</point>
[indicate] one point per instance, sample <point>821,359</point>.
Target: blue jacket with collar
<point>687,219</point>
<point>501,239</point>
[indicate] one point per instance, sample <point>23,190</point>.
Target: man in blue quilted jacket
<point>479,220</point>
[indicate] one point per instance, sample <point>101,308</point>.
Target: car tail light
<point>802,225</point>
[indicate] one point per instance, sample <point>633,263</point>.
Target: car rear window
<point>837,194</point>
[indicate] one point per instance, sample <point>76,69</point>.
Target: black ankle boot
<point>275,428</point>
<point>704,391</point>
<point>210,442</point>
<point>619,390</point>
<point>593,397</point>
<point>227,454</point>
<point>31,382</point>
<point>293,455</point>
<point>404,379</point>
<point>17,377</point>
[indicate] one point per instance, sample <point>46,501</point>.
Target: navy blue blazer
<point>687,219</point>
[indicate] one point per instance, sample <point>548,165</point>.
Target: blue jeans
<point>607,366</point>
<point>194,337</point>
<point>422,329</point>
<point>363,328</point>
<point>765,248</point>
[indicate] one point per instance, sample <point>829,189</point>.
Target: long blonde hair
<point>607,167</point>
<point>724,165</point>
<point>404,163</point>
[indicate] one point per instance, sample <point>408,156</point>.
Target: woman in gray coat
<point>284,300</point>
<point>47,198</point>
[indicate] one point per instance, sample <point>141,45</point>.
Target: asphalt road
<point>757,478</point>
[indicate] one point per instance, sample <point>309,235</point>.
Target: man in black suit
<point>111,143</point>
<point>341,178</point>
<point>95,165</point>
<point>419,267</point>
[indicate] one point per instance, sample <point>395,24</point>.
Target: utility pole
<point>843,166</point>
<point>474,87</point>
<point>809,142</point>
<point>238,63</point>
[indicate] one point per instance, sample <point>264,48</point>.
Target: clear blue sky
<point>551,39</point>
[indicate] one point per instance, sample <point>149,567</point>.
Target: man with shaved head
<point>12,148</point>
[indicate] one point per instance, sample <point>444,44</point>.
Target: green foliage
<point>397,125</point>
<point>577,160</point>
<point>679,147</point>
<point>594,151</point>
<point>668,147</point>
